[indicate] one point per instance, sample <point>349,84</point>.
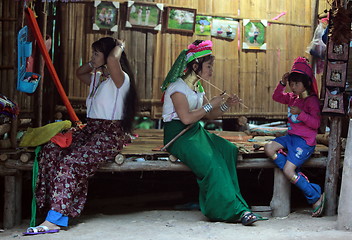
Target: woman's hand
<point>120,43</point>
<point>232,100</point>
<point>216,101</point>
<point>113,63</point>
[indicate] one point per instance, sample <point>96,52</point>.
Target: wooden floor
<point>148,143</point>
<point>144,154</point>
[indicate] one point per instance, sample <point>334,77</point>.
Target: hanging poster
<point>203,25</point>
<point>224,27</point>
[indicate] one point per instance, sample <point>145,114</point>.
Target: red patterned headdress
<point>302,66</point>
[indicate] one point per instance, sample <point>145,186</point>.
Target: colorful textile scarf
<point>301,65</point>
<point>193,52</point>
<point>8,107</point>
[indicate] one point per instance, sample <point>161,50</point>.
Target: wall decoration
<point>180,20</point>
<point>336,74</point>
<point>144,15</point>
<point>106,15</point>
<point>333,102</point>
<point>224,27</point>
<point>254,34</point>
<point>337,51</point>
<point>203,25</point>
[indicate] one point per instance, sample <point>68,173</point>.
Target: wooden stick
<point>223,92</point>
<point>176,137</point>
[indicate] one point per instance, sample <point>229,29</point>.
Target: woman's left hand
<point>232,100</point>
<point>120,43</point>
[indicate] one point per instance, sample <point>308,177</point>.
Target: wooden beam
<point>161,165</point>
<point>281,200</point>
<point>345,204</point>
<point>333,166</point>
<point>9,200</point>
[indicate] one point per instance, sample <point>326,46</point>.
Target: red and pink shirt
<point>306,123</point>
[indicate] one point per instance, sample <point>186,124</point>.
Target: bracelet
<point>224,107</point>
<point>207,107</point>
<point>282,83</point>
<point>122,47</point>
<point>90,64</point>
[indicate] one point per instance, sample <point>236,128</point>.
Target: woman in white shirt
<point>111,106</point>
<point>211,158</point>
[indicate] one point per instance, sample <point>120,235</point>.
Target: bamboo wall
<point>250,74</point>
<point>8,61</point>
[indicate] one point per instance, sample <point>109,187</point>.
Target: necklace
<point>192,81</point>
<point>103,77</point>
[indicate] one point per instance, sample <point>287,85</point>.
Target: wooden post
<point>345,204</point>
<point>9,202</point>
<point>333,166</point>
<point>18,198</point>
<point>13,132</point>
<point>12,200</point>
<point>281,201</point>
<point>41,66</point>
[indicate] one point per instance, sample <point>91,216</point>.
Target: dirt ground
<point>184,225</point>
<point>147,207</point>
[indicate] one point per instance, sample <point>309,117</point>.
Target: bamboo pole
<point>222,91</point>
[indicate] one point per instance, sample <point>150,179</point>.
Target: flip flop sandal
<point>248,219</point>
<point>318,211</point>
<point>35,230</point>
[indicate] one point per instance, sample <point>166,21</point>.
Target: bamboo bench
<point>140,156</point>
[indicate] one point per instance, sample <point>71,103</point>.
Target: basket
<point>26,81</point>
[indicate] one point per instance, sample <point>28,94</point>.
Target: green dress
<point>213,160</point>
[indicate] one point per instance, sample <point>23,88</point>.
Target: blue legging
<point>57,218</point>
<point>311,191</point>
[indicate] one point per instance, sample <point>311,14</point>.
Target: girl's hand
<point>232,100</point>
<point>295,110</point>
<point>284,78</point>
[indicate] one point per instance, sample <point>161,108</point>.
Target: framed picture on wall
<point>181,20</point>
<point>224,27</point>
<point>106,15</point>
<point>203,25</point>
<point>337,51</point>
<point>144,15</point>
<point>254,32</point>
<point>336,74</point>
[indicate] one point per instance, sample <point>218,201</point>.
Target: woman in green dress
<point>211,158</point>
